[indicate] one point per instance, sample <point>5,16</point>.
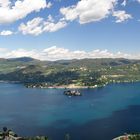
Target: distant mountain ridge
<point>69,61</point>
<point>13,63</point>
<point>23,59</point>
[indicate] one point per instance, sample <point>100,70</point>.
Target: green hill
<point>84,72</point>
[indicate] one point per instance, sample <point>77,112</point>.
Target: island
<point>72,93</point>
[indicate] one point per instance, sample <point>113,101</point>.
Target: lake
<point>100,114</point>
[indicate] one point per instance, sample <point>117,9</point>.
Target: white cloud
<point>49,5</point>
<point>38,25</point>
<point>88,10</point>
<point>6,33</point>
<point>32,27</point>
<point>124,3</point>
<point>70,13</point>
<point>138,0</point>
<point>50,18</point>
<point>3,50</point>
<point>10,12</point>
<point>52,27</point>
<point>121,16</point>
<point>4,3</point>
<point>21,53</point>
<point>55,53</point>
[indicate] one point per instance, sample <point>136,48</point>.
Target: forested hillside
<point>85,72</point>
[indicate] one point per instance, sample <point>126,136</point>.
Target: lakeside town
<point>72,74</point>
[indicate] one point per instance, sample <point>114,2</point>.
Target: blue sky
<point>67,29</point>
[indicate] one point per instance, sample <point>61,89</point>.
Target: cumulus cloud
<point>33,27</point>
<point>38,25</point>
<point>10,12</point>
<point>88,10</point>
<point>6,33</point>
<point>21,53</point>
<point>55,53</point>
<point>138,1</point>
<point>49,5</point>
<point>3,50</point>
<point>4,3</point>
<point>121,16</point>
<point>124,3</point>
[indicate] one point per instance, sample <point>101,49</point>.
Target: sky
<point>70,29</point>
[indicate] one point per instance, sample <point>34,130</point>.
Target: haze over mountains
<point>28,59</point>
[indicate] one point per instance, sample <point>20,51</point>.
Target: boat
<point>72,93</point>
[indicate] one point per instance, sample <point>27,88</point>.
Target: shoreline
<point>71,86</point>
<point>64,86</point>
<point>32,85</point>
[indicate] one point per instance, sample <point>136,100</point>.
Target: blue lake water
<point>100,114</point>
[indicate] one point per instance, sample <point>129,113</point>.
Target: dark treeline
<point>58,78</point>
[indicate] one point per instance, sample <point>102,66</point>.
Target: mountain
<point>76,71</point>
<point>96,63</point>
<point>3,59</point>
<point>22,59</point>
